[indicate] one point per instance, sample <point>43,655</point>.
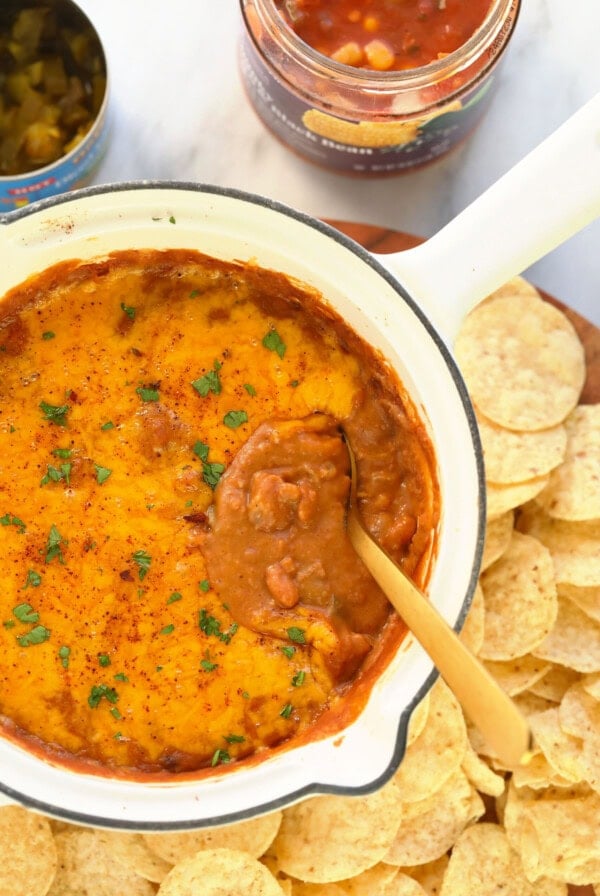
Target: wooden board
<point>382,240</point>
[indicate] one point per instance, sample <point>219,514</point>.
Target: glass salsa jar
<point>361,121</point>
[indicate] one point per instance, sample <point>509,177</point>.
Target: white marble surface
<point>179,112</point>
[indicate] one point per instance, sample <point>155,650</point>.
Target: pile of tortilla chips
<point>452,821</point>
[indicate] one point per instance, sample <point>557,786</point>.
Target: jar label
<point>365,147</point>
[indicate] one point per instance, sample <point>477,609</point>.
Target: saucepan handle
<point>546,198</point>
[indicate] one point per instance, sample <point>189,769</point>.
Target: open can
<point>365,122</point>
<point>53,100</point>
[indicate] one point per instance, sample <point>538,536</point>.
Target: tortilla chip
<point>518,675</point>
<point>269,859</point>
<point>219,872</point>
<point>538,774</point>
<point>481,776</point>
<point>86,866</point>
<point>430,876</point>
<point>430,827</point>
<point>132,851</point>
<point>522,360</point>
<point>331,838</point>
<point>437,752</point>
<point>484,864</point>
<point>555,682</point>
<point>253,836</point>
<point>520,599</point>
<point>587,599</point>
<point>418,719</point>
<point>374,881</point>
<point>530,704</point>
<point>574,641</point>
<point>556,832</point>
<point>403,885</point>
<point>562,750</point>
<point>513,456</point>
<point>28,857</point>
<point>579,719</point>
<point>575,546</point>
<point>503,498</point>
<point>498,533</point>
<point>573,490</point>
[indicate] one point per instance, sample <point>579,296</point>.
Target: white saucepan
<point>409,306</point>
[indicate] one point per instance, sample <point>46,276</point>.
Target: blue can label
<point>358,147</point>
<point>66,174</point>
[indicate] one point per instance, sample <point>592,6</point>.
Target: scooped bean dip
<point>178,589</point>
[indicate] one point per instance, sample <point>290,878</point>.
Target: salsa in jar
<point>374,87</point>
<point>384,34</point>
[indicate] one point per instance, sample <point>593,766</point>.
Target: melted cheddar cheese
<point>128,386</point>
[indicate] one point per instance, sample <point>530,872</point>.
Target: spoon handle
<point>489,707</point>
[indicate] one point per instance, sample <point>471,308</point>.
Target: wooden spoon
<point>489,707</point>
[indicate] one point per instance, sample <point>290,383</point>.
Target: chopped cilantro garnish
<point>143,560</point>
<point>211,473</point>
<point>210,382</point>
<point>172,220</point>
<point>55,413</point>
<point>206,664</point>
<point>53,474</point>
<point>288,651</point>
<point>104,659</point>
<point>233,419</point>
<point>286,711</point>
<point>47,334</point>
<point>201,450</point>
<point>148,393</point>
<point>296,634</point>
<point>10,520</point>
<point>63,453</point>
<point>120,676</point>
<point>128,310</point>
<point>234,738</point>
<point>115,712</point>
<point>64,654</point>
<point>274,343</point>
<point>220,756</point>
<point>9,623</point>
<point>250,389</point>
<point>102,473</point>
<point>194,294</point>
<point>99,691</point>
<point>298,679</point>
<point>33,580</point>
<point>210,625</point>
<point>26,613</point>
<point>53,549</point>
<point>204,585</point>
<point>167,629</point>
<point>37,635</point>
<point>108,425</point>
<point>174,597</point>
